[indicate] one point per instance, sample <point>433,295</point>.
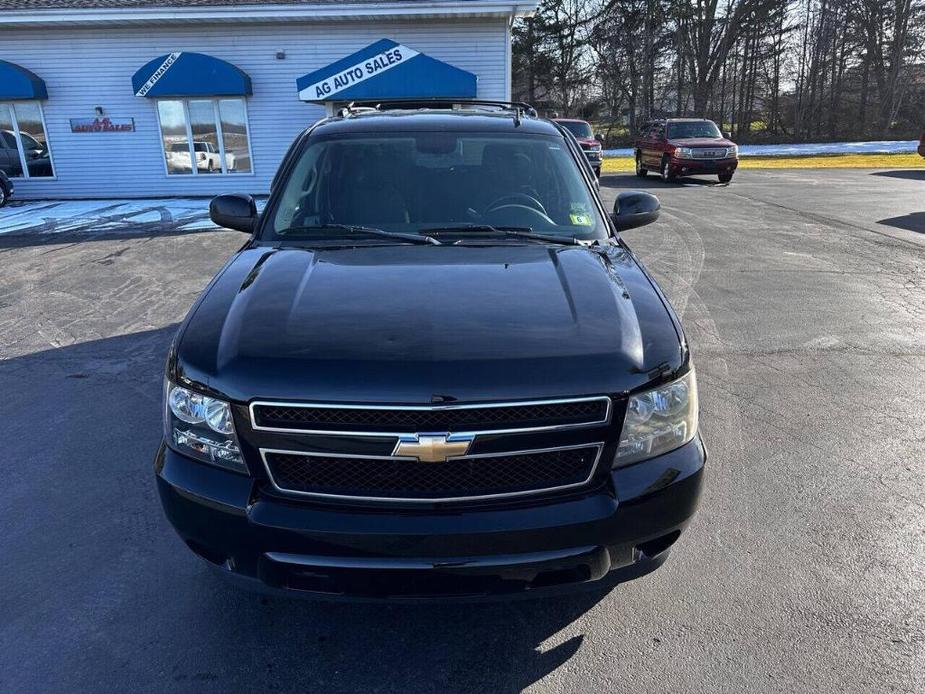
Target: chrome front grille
<point>703,153</point>
<point>432,453</point>
<point>457,479</point>
<point>386,420</point>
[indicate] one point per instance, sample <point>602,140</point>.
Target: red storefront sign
<point>102,125</point>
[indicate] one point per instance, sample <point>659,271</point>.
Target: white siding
<point>84,68</point>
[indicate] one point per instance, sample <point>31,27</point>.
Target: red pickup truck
<point>675,147</point>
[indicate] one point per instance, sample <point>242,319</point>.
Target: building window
<point>205,136</point>
<point>23,144</point>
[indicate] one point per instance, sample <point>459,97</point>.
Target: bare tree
<point>628,40</point>
<point>802,69</point>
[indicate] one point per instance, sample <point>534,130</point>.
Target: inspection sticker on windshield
<point>580,219</point>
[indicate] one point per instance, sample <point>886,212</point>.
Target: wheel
<point>597,172</point>
<point>4,196</point>
<point>667,176</point>
<point>724,178</point>
<point>640,169</point>
<point>211,166</point>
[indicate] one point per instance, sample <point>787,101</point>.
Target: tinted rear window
<point>578,129</point>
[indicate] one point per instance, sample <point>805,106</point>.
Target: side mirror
<point>236,211</point>
<point>633,208</point>
<point>727,134</point>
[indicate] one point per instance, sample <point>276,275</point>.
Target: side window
<point>302,201</point>
<point>192,129</point>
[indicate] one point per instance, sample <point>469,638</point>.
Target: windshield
<point>29,142</point>
<point>578,128</point>
<point>434,182</point>
<point>703,128</point>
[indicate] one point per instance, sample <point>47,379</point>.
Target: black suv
<point>6,189</point>
<point>434,369</point>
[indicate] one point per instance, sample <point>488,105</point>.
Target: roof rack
<point>517,108</point>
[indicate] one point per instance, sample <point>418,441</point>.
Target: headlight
<point>658,421</point>
<point>684,153</point>
<point>202,428</point>
<point>732,151</point>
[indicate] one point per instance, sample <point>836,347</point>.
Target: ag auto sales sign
<point>102,125</point>
<point>360,71</point>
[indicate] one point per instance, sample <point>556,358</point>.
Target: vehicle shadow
<point>92,561</point>
<point>27,239</point>
<point>914,221</point>
<point>498,647</point>
<point>631,181</point>
<point>913,174</point>
<point>27,223</point>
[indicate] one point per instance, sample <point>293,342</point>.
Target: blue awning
<point>19,83</point>
<point>190,74</point>
<point>387,70</point>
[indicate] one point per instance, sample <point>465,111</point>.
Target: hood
<point>401,324</point>
<point>701,142</point>
<point>587,141</point>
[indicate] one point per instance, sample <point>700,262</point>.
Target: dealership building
<point>152,98</point>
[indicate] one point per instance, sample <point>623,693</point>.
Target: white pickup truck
<point>207,157</point>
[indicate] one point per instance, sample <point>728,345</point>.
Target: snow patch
<point>875,147</point>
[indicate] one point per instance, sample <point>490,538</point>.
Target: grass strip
<point>812,161</point>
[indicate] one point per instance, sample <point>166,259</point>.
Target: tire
<point>211,166</point>
<point>641,171</point>
<point>724,178</point>
<point>666,174</point>
<point>4,195</point>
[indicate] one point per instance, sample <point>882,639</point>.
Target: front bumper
<point>594,157</point>
<point>694,167</point>
<point>617,531</point>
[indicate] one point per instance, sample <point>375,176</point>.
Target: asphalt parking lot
<point>803,294</point>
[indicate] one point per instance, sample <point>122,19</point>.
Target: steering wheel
<point>520,199</point>
<point>514,214</point>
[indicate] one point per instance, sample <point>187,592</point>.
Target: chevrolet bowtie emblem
<point>436,448</point>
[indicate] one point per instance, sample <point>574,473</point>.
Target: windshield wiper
<point>372,231</point>
<point>516,232</point>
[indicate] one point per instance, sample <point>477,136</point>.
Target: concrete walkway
<point>141,217</point>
